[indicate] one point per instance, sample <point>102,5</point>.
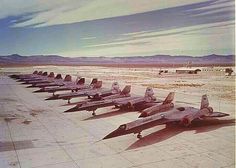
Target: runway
<point>35,133</point>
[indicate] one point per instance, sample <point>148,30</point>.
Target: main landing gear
<point>139,136</point>
<point>93,113</point>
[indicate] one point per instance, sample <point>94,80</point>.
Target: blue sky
<point>117,27</point>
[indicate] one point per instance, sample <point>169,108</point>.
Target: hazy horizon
<point>117,56</point>
<point>98,28</point>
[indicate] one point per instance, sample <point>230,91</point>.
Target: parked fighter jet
<point>59,82</point>
<point>107,101</point>
<point>120,101</point>
<point>182,115</point>
<point>23,77</point>
<point>17,76</point>
<point>74,87</point>
<point>39,76</point>
<point>44,79</point>
<point>41,79</point>
<point>80,91</point>
<point>94,92</point>
<point>53,82</point>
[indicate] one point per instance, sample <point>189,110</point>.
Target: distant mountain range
<point>16,59</point>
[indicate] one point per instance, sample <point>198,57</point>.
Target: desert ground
<point>36,133</point>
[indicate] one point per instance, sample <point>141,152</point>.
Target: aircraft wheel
<point>68,101</point>
<point>93,113</point>
<point>139,136</point>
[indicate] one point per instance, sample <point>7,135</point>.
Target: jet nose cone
<point>143,114</point>
<point>73,109</point>
<point>116,133</point>
<point>25,83</point>
<point>31,86</point>
<point>38,91</point>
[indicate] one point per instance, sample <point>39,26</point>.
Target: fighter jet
<point>105,102</point>
<point>53,82</point>
<point>44,79</point>
<point>58,82</point>
<point>69,85</point>
<point>182,115</point>
<point>17,76</point>
<point>79,91</point>
<point>93,91</point>
<point>122,101</point>
<point>39,76</point>
<point>21,78</point>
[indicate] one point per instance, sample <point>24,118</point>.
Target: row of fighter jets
<point>153,111</point>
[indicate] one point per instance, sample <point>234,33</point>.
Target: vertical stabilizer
<point>81,81</point>
<point>51,75</point>
<point>169,98</point>
<point>204,102</point>
<point>68,78</point>
<point>58,76</point>
<point>95,80</point>
<point>115,88</point>
<point>149,95</point>
<point>45,74</point>
<point>40,73</point>
<point>126,90</point>
<point>97,85</point>
<point>35,72</point>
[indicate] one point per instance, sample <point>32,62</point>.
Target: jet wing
<point>124,101</point>
<point>217,114</point>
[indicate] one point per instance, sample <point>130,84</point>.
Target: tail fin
<point>58,76</point>
<point>35,72</point>
<point>149,95</point>
<point>81,81</point>
<point>45,74</point>
<point>67,78</point>
<point>149,92</point>
<point>204,102</point>
<point>126,90</point>
<point>95,80</point>
<point>40,73</point>
<point>169,98</point>
<point>115,87</point>
<point>98,84</point>
<point>51,75</point>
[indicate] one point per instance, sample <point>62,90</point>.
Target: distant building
<point>187,71</point>
<point>214,70</point>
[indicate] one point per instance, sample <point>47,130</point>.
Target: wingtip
<point>55,97</point>
<point>142,115</point>
<point>73,109</point>
<point>38,91</point>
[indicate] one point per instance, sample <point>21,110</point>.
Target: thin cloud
<point>88,38</point>
<point>56,12</point>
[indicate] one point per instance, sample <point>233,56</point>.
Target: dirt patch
<point>186,85</point>
<point>174,85</point>
<point>26,122</point>
<point>10,117</point>
<point>15,145</point>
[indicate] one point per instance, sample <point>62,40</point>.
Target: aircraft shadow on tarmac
<point>109,114</point>
<point>172,130</point>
